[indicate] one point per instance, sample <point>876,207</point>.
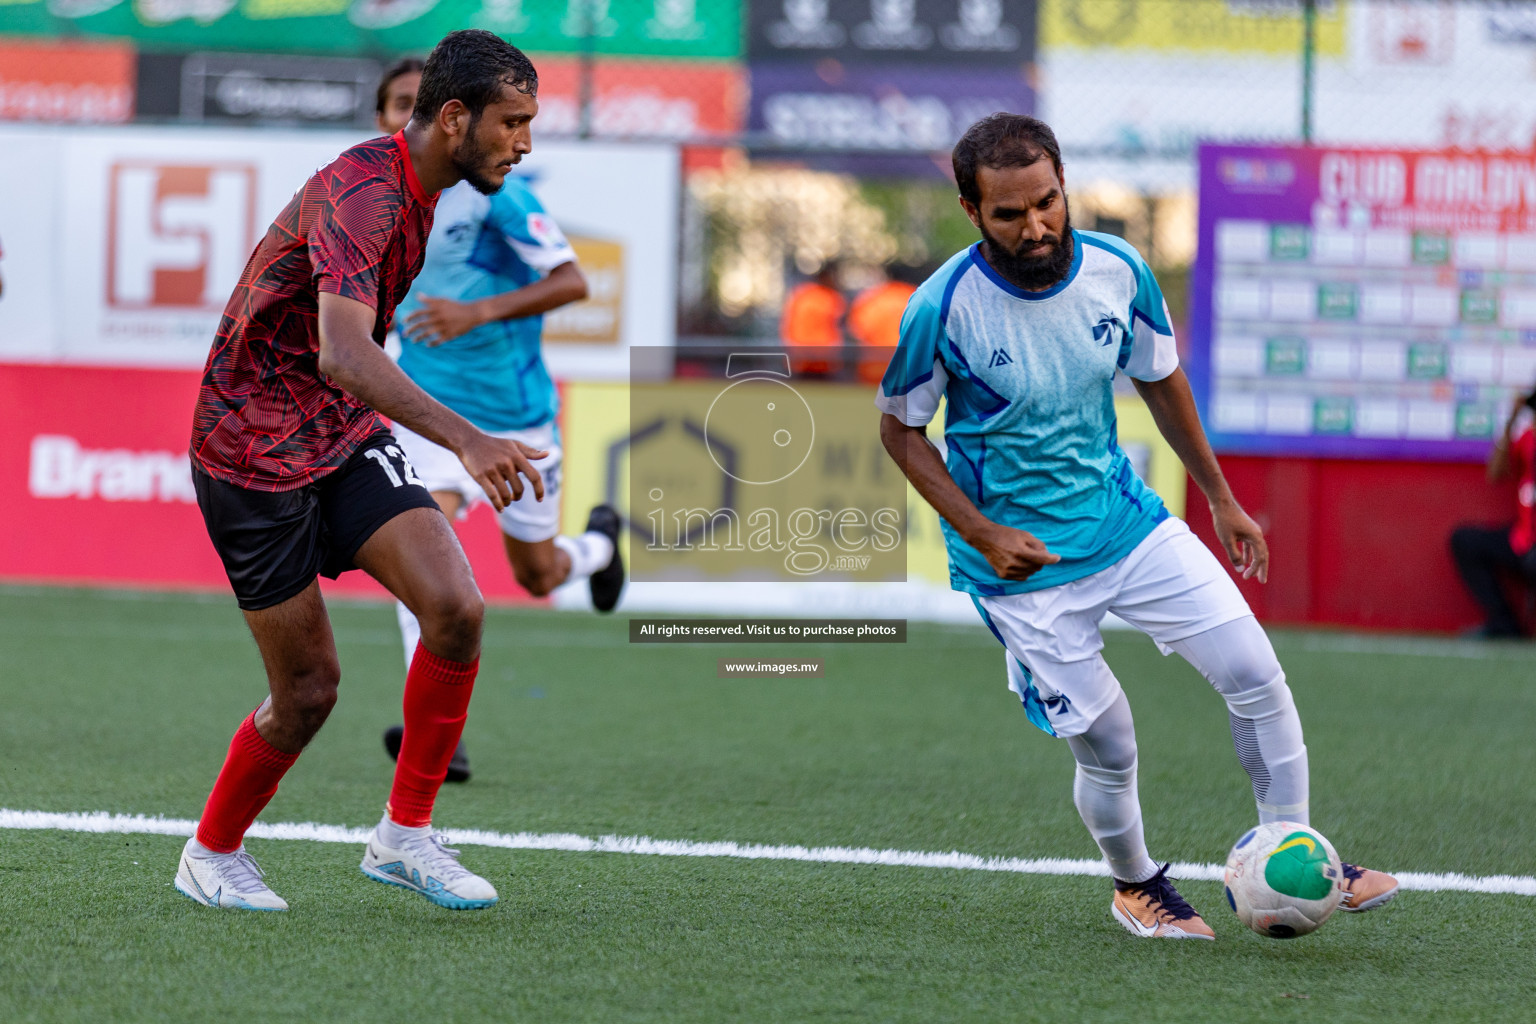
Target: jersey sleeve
<point>349,239</point>
<point>915,380</point>
<point>530,232</point>
<point>1152,353</point>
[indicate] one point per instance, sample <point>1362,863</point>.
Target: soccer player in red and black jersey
<point>297,476</point>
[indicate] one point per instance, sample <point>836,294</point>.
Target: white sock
<point>197,851</point>
<point>394,835</point>
<point>1108,804</point>
<point>1266,730</point>
<point>589,553</point>
<point>410,632</point>
<point>1237,659</point>
<point>1104,791</point>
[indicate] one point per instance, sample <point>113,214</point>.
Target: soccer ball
<point>1283,880</point>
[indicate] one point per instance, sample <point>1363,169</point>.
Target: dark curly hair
<point>1001,140</point>
<point>471,66</point>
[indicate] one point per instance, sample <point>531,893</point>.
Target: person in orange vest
<point>874,322</point>
<point>812,318</point>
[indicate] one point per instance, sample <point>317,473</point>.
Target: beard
<point>1033,273</point>
<point>473,162</point>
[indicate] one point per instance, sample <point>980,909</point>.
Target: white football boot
<point>229,881</point>
<point>417,859</point>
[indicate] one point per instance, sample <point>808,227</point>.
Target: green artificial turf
<point>1420,754</point>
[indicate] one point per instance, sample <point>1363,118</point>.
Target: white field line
<point>138,824</point>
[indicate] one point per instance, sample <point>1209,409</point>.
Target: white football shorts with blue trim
<point>1170,587</point>
<point>528,519</point>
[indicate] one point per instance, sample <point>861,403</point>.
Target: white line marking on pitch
<point>138,824</point>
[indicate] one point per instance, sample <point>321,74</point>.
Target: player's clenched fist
<point>1013,554</point>
<point>496,463</point>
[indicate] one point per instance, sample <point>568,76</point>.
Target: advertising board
<point>666,28</point>
<point>897,120</point>
<point>136,237</point>
<point>73,82</point>
<point>258,88</point>
<point>969,33</point>
<point>1363,302</point>
<point>97,488</point>
<point>1150,79</point>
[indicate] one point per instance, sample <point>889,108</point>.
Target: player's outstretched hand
<point>440,320</point>
<point>496,465</point>
<point>1243,539</point>
<point>1014,554</point>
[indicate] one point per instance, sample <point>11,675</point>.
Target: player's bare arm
<point>1173,410</point>
<point>349,356</point>
<point>1013,554</point>
<point>441,319</point>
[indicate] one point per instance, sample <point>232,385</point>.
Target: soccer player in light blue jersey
<point>1046,523</point>
<point>471,338</point>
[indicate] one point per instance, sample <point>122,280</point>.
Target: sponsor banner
<point>901,109</point>
<point>96,482</point>
<point>670,28</point>
<point>1192,26</point>
<point>136,266</point>
<point>970,33</point>
<point>1363,302</point>
<point>631,99</point>
<point>1389,73</point>
<point>644,99</point>
<point>258,88</point>
<point>63,83</point>
<point>97,486</point>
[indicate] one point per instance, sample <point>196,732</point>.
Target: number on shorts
<point>405,464</point>
<point>382,457</point>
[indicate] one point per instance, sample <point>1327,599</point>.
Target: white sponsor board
<point>1409,73</point>
<point>121,245</point>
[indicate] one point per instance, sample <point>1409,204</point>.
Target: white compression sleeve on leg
<point>1104,791</point>
<point>410,632</point>
<point>1237,659</point>
<point>589,553</point>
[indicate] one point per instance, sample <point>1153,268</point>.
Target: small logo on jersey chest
<point>999,358</point>
<point>1108,330</point>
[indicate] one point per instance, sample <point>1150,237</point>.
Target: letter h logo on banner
<point>178,235</point>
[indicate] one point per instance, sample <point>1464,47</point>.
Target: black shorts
<point>274,543</point>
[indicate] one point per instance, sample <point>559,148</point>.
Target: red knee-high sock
<point>252,769</point>
<point>436,703</point>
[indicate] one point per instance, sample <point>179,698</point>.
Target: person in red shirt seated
<point>1484,554</point>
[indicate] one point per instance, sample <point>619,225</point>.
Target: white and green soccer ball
<point>1283,879</point>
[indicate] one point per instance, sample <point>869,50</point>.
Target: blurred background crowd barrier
<point>1338,197</point>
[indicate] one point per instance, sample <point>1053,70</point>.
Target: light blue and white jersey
<point>1030,420</point>
<point>494,376</point>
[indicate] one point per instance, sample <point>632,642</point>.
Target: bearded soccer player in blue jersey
<point>471,339</point>
<point>1047,525</point>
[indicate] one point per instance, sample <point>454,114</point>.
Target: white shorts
<point>1170,587</point>
<point>528,519</point>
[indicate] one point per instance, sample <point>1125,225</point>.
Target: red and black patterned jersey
<point>267,418</point>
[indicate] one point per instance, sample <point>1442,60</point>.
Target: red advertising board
<point>645,99</point>
<point>77,82</point>
<point>96,487</point>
